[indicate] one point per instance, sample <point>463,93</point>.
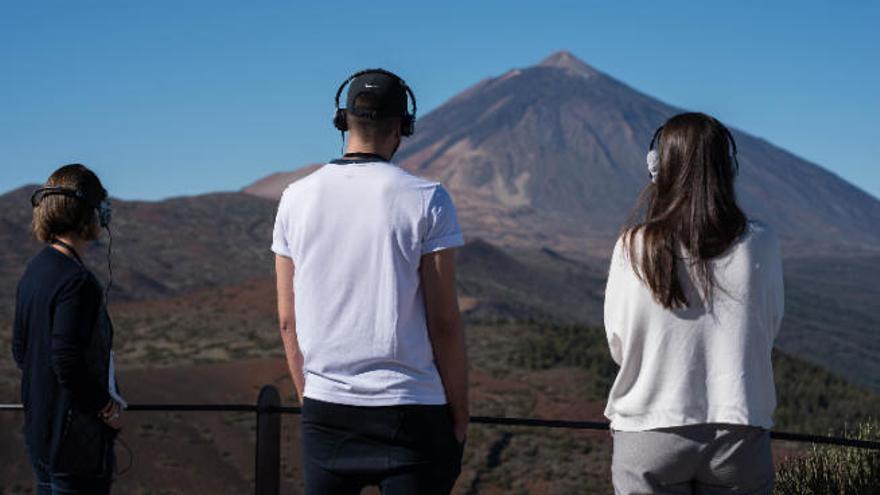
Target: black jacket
<point>61,342</point>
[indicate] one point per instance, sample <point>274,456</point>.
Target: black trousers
<point>409,449</point>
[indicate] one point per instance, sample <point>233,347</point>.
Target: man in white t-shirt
<point>368,308</point>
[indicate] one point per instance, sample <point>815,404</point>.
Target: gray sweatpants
<point>699,459</point>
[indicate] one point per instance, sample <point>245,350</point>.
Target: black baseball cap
<point>389,95</point>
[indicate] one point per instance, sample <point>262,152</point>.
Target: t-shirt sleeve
<point>279,233</point>
<point>443,230</point>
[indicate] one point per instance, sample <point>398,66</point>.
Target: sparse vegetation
<point>569,346</point>
<point>813,400</point>
<point>833,470</point>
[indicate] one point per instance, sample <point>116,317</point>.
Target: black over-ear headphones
<point>653,157</point>
<point>105,212</point>
<point>407,120</point>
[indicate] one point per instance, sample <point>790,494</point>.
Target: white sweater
<point>692,366</point>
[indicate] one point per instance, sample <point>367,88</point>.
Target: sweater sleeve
<point>75,312</point>
<point>19,337</point>
<point>776,284</point>
<point>612,309</point>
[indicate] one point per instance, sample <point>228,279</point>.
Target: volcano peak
<point>566,60</point>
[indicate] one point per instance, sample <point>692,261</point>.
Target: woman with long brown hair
<point>692,308</point>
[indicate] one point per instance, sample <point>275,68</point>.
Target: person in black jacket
<point>62,339</point>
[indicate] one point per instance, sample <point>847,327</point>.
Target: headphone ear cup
<point>407,125</point>
<point>105,213</point>
<point>340,120</point>
<point>653,160</point>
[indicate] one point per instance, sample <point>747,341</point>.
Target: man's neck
<point>356,145</point>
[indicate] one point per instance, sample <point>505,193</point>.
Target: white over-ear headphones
<point>653,160</point>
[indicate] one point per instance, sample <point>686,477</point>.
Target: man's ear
<point>396,135</point>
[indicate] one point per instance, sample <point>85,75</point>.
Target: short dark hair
<point>58,215</point>
<point>370,129</point>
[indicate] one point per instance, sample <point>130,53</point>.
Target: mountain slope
<point>271,186</point>
<point>558,150</point>
<point>528,285</point>
<point>160,248</point>
<point>184,245</point>
<point>553,155</point>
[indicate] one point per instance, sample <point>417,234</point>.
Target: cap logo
<point>371,85</point>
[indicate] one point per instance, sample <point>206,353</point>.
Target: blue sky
<point>166,98</point>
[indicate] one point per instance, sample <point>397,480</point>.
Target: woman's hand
<point>460,428</point>
<point>111,415</point>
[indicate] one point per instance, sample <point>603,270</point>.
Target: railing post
<point>267,469</point>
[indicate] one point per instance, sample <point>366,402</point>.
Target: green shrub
<point>833,470</point>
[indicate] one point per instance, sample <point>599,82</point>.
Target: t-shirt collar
<point>353,158</point>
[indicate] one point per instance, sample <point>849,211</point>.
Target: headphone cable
<point>109,266</point>
<point>120,472</point>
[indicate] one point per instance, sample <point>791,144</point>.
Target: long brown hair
<point>689,212</point>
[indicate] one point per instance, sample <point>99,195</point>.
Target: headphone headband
<point>42,192</point>
<point>103,207</point>
<point>731,141</point>
<point>655,139</point>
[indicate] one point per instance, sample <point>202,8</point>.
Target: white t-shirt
<point>356,233</point>
<point>694,366</point>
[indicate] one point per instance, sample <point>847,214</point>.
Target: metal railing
<point>267,468</point>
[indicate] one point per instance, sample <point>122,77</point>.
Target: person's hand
<point>459,428</point>
<point>112,415</point>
